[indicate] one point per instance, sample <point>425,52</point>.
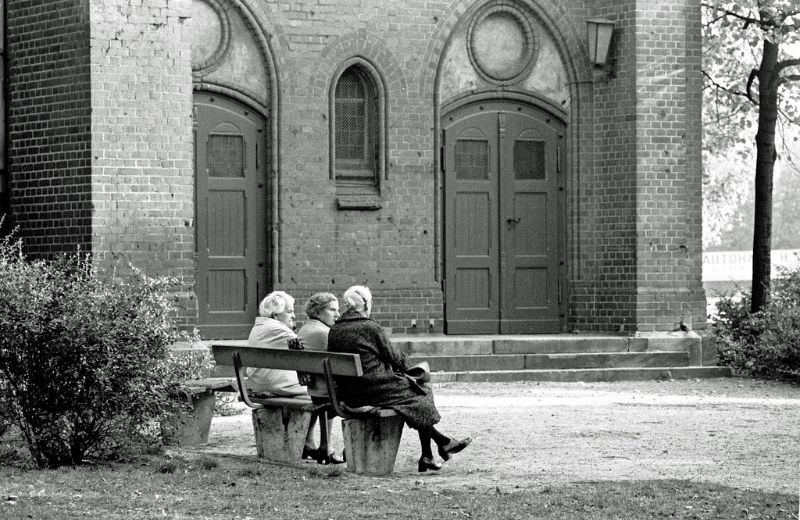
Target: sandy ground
<point>731,431</point>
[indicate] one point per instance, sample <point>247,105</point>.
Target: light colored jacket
<point>314,336</point>
<point>269,332</point>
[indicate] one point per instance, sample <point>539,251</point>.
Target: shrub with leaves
<point>765,343</point>
<point>82,354</point>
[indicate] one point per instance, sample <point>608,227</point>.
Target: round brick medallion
<point>210,34</point>
<point>500,43</point>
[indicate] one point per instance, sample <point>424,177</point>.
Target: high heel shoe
<point>310,453</point>
<point>427,463</point>
<point>452,447</point>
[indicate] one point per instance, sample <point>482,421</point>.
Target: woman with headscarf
<point>383,383</point>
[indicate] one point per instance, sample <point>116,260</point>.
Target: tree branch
<point>726,12</point>
<point>786,64</point>
<point>750,79</point>
<point>719,86</point>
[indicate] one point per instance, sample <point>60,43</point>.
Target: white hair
<point>274,303</point>
<point>358,298</point>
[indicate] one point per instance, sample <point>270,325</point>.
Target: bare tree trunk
<point>765,165</point>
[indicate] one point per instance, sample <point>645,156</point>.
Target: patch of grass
<point>167,466</point>
<point>207,462</point>
<point>241,488</point>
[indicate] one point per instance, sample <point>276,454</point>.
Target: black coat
<point>382,383</point>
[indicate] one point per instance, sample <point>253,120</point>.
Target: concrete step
<point>438,345</point>
<point>554,361</point>
<point>582,374</point>
<point>559,357</point>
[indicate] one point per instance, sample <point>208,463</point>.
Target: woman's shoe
<point>333,459</point>
<point>310,453</point>
<point>427,463</point>
<point>452,447</point>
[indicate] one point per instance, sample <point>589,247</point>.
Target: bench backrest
<point>284,359</point>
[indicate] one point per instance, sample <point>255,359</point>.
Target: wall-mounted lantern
<point>599,31</point>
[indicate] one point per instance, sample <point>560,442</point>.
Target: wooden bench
<point>371,435</point>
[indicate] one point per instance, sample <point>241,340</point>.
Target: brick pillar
<point>142,166</point>
<point>669,177</point>
<point>48,122</point>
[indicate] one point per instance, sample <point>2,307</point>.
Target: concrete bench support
<point>190,427</point>
<point>281,432</point>
<point>371,442</point>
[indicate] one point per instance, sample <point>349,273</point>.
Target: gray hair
<point>358,298</point>
<point>274,303</point>
<point>317,302</point>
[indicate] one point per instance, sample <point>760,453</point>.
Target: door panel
<point>231,216</point>
<point>471,240</point>
<point>502,220</point>
<point>529,191</point>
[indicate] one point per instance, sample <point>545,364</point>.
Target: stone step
<point>559,357</point>
<point>554,361</point>
<point>582,374</point>
<point>434,345</point>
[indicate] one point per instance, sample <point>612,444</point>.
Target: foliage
<point>733,36</point>
<point>749,72</point>
<point>728,218</point>
<point>764,343</point>
<point>188,364</point>
<point>83,354</point>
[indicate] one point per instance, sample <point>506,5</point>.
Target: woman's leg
<point>310,448</point>
<point>426,461</point>
<point>446,445</point>
<point>438,437</point>
<point>425,442</point>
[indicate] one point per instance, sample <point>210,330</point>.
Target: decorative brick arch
<point>365,46</point>
<point>551,15</point>
<point>262,36</point>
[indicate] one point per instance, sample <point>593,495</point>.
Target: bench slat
<point>284,359</point>
<point>291,402</point>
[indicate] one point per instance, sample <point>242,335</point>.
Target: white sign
<point>737,266</point>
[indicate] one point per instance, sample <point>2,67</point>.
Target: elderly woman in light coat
<point>274,328</point>
<point>383,383</point>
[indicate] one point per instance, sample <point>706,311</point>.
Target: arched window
<point>356,132</point>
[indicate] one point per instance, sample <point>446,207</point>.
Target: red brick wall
<point>627,216</point>
<point>143,176</point>
<point>668,165</point>
<point>48,119</point>
<point>604,295</point>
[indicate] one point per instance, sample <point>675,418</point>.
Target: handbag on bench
<point>304,378</point>
<point>417,376</point>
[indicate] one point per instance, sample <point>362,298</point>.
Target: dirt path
<point>733,431</point>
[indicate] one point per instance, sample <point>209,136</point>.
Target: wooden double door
<point>503,218</point>
<point>231,201</point>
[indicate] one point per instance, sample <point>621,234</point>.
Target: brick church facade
<point>463,158</point>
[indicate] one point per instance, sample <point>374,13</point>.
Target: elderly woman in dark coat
<point>383,383</point>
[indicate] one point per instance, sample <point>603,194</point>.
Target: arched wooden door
<point>231,215</point>
<point>503,219</point>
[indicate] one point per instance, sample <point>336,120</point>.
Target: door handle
<point>510,220</point>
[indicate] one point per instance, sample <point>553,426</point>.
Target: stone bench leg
<point>190,429</point>
<point>371,443</point>
<point>281,433</point>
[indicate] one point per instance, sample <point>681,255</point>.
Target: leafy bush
<point>83,354</point>
<point>766,343</point>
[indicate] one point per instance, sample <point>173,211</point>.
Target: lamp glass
<point>599,32</point>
